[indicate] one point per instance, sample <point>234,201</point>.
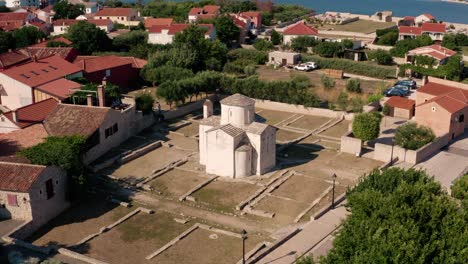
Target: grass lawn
<point>362,26</point>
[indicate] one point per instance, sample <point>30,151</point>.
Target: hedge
<point>350,66</point>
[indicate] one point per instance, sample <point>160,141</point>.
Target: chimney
<point>207,108</point>
<point>15,117</point>
<point>101,93</point>
<point>89,99</point>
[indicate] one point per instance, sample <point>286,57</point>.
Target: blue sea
<point>444,11</point>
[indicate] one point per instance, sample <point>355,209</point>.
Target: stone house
<point>233,145</point>
<point>423,18</point>
<point>437,52</point>
<point>150,22</point>
<point>401,107</point>
<point>60,26</point>
<point>32,192</point>
<point>282,58</point>
<point>442,107</point>
<point>120,15</point>
<point>165,34</point>
<point>434,30</point>
<point>297,30</point>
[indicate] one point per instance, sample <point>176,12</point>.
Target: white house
<point>233,145</point>
<point>90,7</point>
<point>164,34</point>
<point>297,30</point>
<point>423,18</point>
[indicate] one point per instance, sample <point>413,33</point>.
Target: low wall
<point>188,108</point>
<point>383,152</point>
<point>350,144</point>
<point>298,109</point>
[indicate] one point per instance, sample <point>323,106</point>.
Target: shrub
<point>144,103</point>
<point>356,104</point>
<point>374,98</point>
<point>259,57</point>
<point>382,57</point>
<point>353,85</point>
<point>276,38</point>
<point>328,49</point>
<point>403,46</point>
<point>249,70</point>
<point>342,101</point>
<point>367,126</point>
<point>388,39</point>
<point>350,66</point>
<point>263,45</point>
<point>460,188</point>
<point>327,82</point>
<point>302,43</point>
<point>386,110</point>
<point>411,136</point>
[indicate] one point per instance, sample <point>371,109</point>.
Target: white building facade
<point>233,145</point>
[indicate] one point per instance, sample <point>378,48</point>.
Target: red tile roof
<point>60,88</point>
<point>436,51</point>
<point>450,98</point>
<point>14,16</point>
<point>429,16</point>
<point>433,88</point>
<point>48,9</point>
<point>211,9</point>
<point>176,28</point>
<point>33,113</point>
<point>42,71</point>
<point>239,23</point>
<point>12,142</point>
<point>99,22</point>
<point>17,177</point>
<point>400,102</point>
<point>300,29</point>
<point>10,25</point>
<point>149,22</point>
<point>60,39</point>
<point>252,13</point>
<point>207,10</point>
<point>94,64</point>
<point>8,59</point>
<point>433,27</point>
<point>64,22</point>
<point>409,18</point>
<point>410,30</point>
<point>119,11</point>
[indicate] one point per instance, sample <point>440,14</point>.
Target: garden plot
<point>309,122</point>
<point>223,195</point>
<point>78,222</point>
<point>286,135</point>
<point>175,183</point>
<point>143,166</point>
<point>271,117</point>
<point>133,240</point>
<point>206,246</point>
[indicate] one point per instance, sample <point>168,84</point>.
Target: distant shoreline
<point>456,1</point>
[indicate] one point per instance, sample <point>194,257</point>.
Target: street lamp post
<point>333,191</point>
<point>244,237</point>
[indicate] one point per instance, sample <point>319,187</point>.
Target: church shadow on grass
<point>298,154</point>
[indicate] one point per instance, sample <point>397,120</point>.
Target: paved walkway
<point>312,234</point>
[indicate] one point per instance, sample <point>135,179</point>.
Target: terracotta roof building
<point>298,29</point>
<point>436,51</point>
<point>203,13</point>
<point>165,34</point>
<point>20,84</point>
<point>443,107</point>
<point>150,22</point>
<point>23,55</point>
<point>401,107</point>
<point>434,30</point>
<point>61,26</point>
<point>125,16</point>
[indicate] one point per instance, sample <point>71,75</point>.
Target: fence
<point>188,108</point>
<point>298,109</point>
<point>351,144</point>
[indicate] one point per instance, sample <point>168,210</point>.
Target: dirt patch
<point>286,135</point>
<point>271,117</point>
<point>301,188</point>
<point>182,142</point>
<point>189,130</point>
<point>285,209</point>
<point>310,122</point>
<point>143,166</point>
<point>337,130</point>
<point>134,239</point>
<point>223,195</point>
<point>176,182</point>
<point>361,25</point>
<point>203,246</point>
<point>78,222</point>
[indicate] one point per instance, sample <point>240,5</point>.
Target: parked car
<point>404,89</point>
<point>308,66</point>
<point>394,92</point>
<point>409,83</point>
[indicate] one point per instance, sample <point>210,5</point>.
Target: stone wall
<point>297,109</point>
<point>449,83</point>
<point>188,108</point>
<point>350,144</point>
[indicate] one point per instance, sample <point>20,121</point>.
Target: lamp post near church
<point>244,237</point>
<point>333,191</point>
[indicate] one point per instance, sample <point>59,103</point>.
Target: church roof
<point>232,130</point>
<point>257,128</point>
<point>211,121</point>
<point>238,100</point>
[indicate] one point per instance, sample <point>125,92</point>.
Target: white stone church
<point>233,145</point>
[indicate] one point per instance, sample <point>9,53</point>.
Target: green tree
<point>263,45</point>
<point>405,45</point>
<point>226,30</point>
<point>411,136</point>
<point>356,104</point>
<point>382,57</point>
<point>125,42</point>
<point>388,39</point>
<point>65,10</point>
<point>276,38</point>
<point>353,85</point>
<point>342,101</point>
<point>366,126</point>
<point>302,43</point>
<point>144,103</point>
<point>460,188</point>
<point>400,216</point>
<point>26,36</point>
<point>6,41</point>
<point>87,38</point>
<point>329,49</point>
<point>455,41</point>
<point>386,110</point>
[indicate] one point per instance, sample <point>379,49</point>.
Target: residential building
<point>43,43</point>
<point>434,30</point>
<point>243,23</point>
<point>233,145</point>
<point>61,25</point>
<point>437,52</point>
<point>120,15</point>
<point>22,3</point>
<point>443,106</point>
<point>90,7</point>
<point>12,142</point>
<point>121,71</point>
<point>45,14</point>
<point>424,18</point>
<point>30,82</point>
<point>382,16</point>
<point>23,55</point>
<point>407,21</point>
<point>14,20</point>
<point>32,193</point>
<point>150,22</point>
<point>282,58</point>
<point>255,20</point>
<point>297,30</point>
<point>401,107</point>
<point>165,34</point>
<point>26,116</point>
<point>203,13</point>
